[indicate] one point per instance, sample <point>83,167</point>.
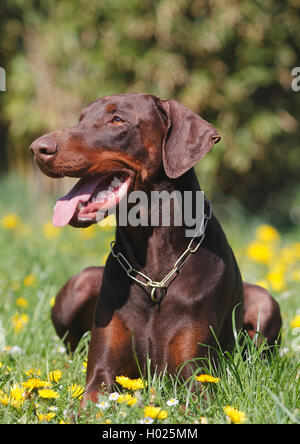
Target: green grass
<point>33,268</point>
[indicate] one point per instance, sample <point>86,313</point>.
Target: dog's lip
<point>80,205</point>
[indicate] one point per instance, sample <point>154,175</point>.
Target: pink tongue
<point>66,206</point>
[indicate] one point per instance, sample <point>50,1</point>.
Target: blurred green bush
<point>229,61</point>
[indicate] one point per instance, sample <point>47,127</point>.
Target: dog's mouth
<point>90,199</point>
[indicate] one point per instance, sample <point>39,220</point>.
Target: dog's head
<point>121,143</point>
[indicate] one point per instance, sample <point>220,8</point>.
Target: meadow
<point>40,382</point>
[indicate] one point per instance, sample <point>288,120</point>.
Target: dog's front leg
<point>110,355</point>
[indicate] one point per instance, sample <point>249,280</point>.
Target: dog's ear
<point>188,138</point>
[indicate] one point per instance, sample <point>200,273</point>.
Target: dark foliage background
<point>229,61</point>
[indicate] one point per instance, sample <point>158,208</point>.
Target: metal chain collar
<point>191,249</point>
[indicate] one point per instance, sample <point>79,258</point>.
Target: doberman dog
<point>130,142</point>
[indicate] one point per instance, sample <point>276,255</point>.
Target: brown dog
<point>149,144</point>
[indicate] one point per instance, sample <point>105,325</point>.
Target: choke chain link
<point>148,282</point>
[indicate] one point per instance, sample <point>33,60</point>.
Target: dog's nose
<point>44,147</point>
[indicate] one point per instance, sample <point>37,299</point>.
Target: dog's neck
<point>141,243</point>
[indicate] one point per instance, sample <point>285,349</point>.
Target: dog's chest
<point>166,335</point>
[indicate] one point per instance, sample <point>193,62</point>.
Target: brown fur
<point>158,144</point>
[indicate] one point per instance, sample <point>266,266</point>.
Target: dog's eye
<point>116,120</point>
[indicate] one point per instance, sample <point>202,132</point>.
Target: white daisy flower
<point>15,350</point>
<point>102,405</point>
<point>60,349</point>
<point>172,401</point>
<point>113,396</point>
<point>146,420</point>
<point>283,351</point>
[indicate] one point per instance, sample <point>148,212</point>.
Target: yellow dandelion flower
<point>259,252</point>
<point>234,415</point>
<point>207,378</point>
<point>267,233</point>
<point>99,415</point>
<point>295,322</point>
<point>276,278</point>
<point>4,399</point>
<point>19,321</point>
<point>55,375</point>
<point>22,302</point>
<point>286,257</point>
<point>124,398</point>
<point>130,384</point>
<point>50,231</point>
<point>35,383</point>
<point>296,248</point>
<point>33,372</point>
<point>45,417</point>
<point>30,280</point>
<point>295,275</point>
<point>88,233</point>
<point>48,394</point>
<point>155,412</point>
<point>132,401</point>
<point>76,391</point>
<point>16,396</point>
<point>127,398</point>
<point>10,221</point>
